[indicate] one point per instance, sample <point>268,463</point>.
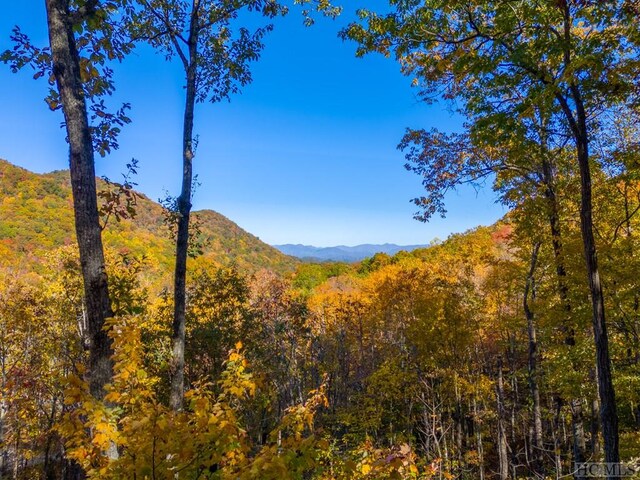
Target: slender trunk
<point>184,213</point>
<point>66,69</point>
<point>578,123</point>
<point>516,401</point>
<point>578,434</point>
<point>4,454</point>
<point>556,439</point>
<point>595,428</point>
<point>533,362</point>
<point>48,468</point>
<point>556,243</point>
<point>16,458</point>
<point>479,444</point>
<point>554,227</point>
<point>503,459</point>
<point>554,224</point>
<point>458,418</point>
<point>608,414</point>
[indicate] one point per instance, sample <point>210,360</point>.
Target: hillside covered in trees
<point>36,217</point>
<point>148,341</point>
<point>408,366</point>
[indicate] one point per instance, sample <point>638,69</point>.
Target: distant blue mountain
<point>343,253</point>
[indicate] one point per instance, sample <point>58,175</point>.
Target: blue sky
<point>306,154</point>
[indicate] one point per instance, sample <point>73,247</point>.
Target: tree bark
<point>66,70</point>
<point>533,363</point>
<point>595,426</point>
<point>608,414</point>
<point>554,227</point>
<point>184,213</point>
<point>578,124</point>
<point>578,434</point>
<point>479,443</point>
<point>502,446</point>
<point>556,437</point>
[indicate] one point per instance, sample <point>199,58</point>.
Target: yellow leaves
<point>102,426</point>
<point>147,433</point>
<point>101,440</point>
<point>236,391</point>
<point>369,462</point>
<point>113,397</point>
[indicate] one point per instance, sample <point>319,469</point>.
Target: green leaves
<point>101,37</point>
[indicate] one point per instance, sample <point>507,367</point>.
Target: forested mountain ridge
<point>36,216</point>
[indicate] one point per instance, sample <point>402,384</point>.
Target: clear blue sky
<point>306,154</point>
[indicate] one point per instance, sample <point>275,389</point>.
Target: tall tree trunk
<point>578,434</point>
<point>66,69</point>
<point>595,427</point>
<point>479,443</point>
<point>48,468</point>
<point>4,454</point>
<point>503,459</point>
<point>556,243</point>
<point>556,436</point>
<point>533,363</point>
<point>608,414</point>
<point>554,227</point>
<point>556,240</point>
<point>184,213</point>
<point>578,124</point>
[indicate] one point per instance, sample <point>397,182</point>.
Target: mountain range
<point>342,253</point>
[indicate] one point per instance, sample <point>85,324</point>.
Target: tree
<point>215,51</point>
<point>570,57</point>
<point>83,36</point>
<point>216,62</point>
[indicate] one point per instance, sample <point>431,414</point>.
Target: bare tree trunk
<point>184,213</point>
<point>66,69</point>
<point>4,454</point>
<point>514,462</point>
<point>578,124</point>
<point>578,434</point>
<point>16,457</point>
<point>554,223</point>
<point>458,417</point>
<point>533,363</point>
<point>595,428</point>
<point>48,468</point>
<point>479,444</point>
<point>502,446</point>
<point>548,172</point>
<point>556,439</point>
<point>608,414</point>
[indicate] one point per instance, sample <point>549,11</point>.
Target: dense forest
<point>141,340</point>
